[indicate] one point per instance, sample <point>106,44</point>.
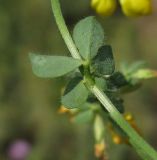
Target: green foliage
<point>99,129</point>
<point>103,63</point>
<point>117,101</point>
<point>144,74</point>
<point>53,66</point>
<point>101,83</point>
<point>98,68</point>
<point>84,117</point>
<point>89,37</point>
<point>117,80</point>
<point>130,69</point>
<point>135,74</point>
<point>72,84</point>
<point>76,97</point>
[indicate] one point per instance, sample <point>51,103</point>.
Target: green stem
<point>142,147</point>
<point>63,29</point>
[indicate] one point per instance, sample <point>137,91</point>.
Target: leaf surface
<point>52,66</point>
<point>88,36</point>
<point>84,117</point>
<point>76,97</point>
<point>103,62</point>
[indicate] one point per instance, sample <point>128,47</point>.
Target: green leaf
<point>101,83</point>
<point>99,129</point>
<point>144,74</point>
<point>89,37</point>
<point>103,62</point>
<point>116,81</point>
<point>117,101</point>
<point>84,117</point>
<point>72,84</point>
<point>52,66</point>
<point>76,97</point>
<point>130,69</point>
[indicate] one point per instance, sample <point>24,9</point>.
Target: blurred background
<point>29,121</point>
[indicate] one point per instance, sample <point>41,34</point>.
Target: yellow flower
<point>117,139</point>
<point>100,149</point>
<point>63,109</point>
<point>134,8</point>
<point>129,117</point>
<point>104,7</point>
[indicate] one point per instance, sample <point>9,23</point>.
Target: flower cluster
<point>131,8</point>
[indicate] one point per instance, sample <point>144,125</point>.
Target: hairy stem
<point>142,147</point>
<point>64,30</point>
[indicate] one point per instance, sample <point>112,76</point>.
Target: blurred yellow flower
<point>117,139</point>
<point>100,149</point>
<point>104,7</point>
<point>131,8</point>
<point>129,117</point>
<point>134,8</point>
<point>63,109</point>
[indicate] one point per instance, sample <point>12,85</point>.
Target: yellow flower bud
<point>100,149</point>
<point>134,8</point>
<point>117,139</point>
<point>63,109</point>
<point>104,7</point>
<point>129,117</point>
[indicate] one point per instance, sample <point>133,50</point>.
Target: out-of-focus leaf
<point>89,37</point>
<point>84,117</point>
<point>103,62</point>
<point>116,81</point>
<point>99,129</point>
<point>145,74</point>
<point>76,97</point>
<point>53,66</point>
<point>130,69</point>
<point>101,83</point>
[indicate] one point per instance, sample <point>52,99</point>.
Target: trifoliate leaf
<point>76,97</point>
<point>84,117</point>
<point>103,62</point>
<point>89,37</point>
<point>53,66</point>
